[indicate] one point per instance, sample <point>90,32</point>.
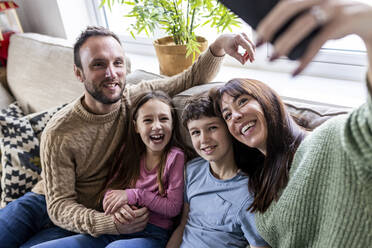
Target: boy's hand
<point>113,200</point>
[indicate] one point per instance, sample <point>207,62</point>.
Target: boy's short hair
<point>198,106</point>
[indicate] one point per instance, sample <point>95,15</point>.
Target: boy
<point>216,191</point>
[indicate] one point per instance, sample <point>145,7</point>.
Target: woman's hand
<point>338,18</point>
<point>113,200</point>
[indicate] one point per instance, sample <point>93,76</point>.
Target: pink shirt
<point>146,194</point>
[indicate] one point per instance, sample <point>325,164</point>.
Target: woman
<point>257,118</point>
<point>314,191</point>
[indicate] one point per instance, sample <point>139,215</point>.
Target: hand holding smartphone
<point>253,11</point>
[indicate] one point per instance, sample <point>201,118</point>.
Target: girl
<point>149,171</point>
<point>313,191</point>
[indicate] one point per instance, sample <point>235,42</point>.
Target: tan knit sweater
<point>76,144</point>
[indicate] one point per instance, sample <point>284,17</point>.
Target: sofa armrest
<point>5,97</point>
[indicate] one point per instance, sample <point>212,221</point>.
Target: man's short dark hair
<point>90,31</point>
<point>197,107</point>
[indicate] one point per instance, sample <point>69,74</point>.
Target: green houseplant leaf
<point>178,18</point>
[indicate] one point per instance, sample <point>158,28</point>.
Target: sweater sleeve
<point>357,139</point>
<point>61,197</point>
<point>169,205</point>
<point>202,71</point>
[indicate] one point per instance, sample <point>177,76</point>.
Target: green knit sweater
<point>328,199</point>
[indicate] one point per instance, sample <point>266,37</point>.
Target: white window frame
<point>96,13</point>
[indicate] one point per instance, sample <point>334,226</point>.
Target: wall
<point>75,16</point>
<point>58,18</point>
<point>41,16</point>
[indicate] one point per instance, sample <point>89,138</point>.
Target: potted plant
<point>179,19</point>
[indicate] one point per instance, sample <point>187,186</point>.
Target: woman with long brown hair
<point>313,191</point>
<point>270,133</point>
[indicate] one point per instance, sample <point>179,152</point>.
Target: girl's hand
<point>125,215</point>
<point>113,200</point>
<point>338,18</point>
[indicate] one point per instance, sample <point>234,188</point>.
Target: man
<point>80,139</point>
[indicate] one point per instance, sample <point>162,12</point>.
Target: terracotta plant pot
<point>172,58</point>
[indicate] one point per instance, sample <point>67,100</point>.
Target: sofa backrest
<point>40,72</point>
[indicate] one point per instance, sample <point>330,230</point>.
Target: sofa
<point>40,80</point>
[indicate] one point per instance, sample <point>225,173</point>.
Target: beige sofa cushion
<point>312,115</point>
<point>40,72</point>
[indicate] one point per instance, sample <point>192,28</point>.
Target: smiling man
<point>80,140</point>
<point>102,72</point>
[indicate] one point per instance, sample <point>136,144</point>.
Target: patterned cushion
<point>19,147</point>
<point>39,120</point>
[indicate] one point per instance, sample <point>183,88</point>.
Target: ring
<point>319,15</point>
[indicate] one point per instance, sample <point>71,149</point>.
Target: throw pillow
<point>11,110</point>
<point>19,145</point>
<point>39,120</point>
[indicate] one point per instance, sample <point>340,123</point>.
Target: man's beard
<point>99,96</point>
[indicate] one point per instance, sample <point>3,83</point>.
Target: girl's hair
<point>125,167</point>
<point>268,175</point>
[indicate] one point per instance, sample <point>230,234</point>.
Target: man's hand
<point>229,43</point>
<point>136,225</point>
<point>113,200</point>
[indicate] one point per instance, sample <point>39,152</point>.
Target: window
<point>116,21</point>
<point>341,59</point>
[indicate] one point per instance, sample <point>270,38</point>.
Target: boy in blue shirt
<point>216,192</point>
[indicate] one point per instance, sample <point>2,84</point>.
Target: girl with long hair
<point>148,172</point>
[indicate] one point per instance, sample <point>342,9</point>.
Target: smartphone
<point>253,11</point>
